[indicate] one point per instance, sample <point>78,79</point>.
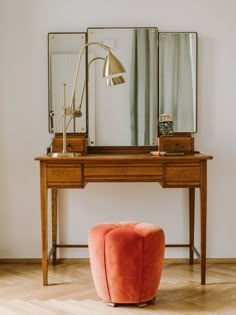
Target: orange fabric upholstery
<point>126,261</point>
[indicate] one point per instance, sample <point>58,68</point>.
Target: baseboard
<point>85,260</point>
<point>39,260</point>
<point>197,260</point>
<point>20,260</point>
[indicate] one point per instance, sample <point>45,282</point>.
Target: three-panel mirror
<point>161,78</point>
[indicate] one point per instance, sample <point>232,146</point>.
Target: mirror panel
<point>126,114</point>
<point>178,79</point>
<point>63,51</point>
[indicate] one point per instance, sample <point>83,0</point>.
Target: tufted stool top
<point>126,260</point>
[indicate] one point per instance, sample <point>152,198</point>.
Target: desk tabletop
<point>125,158</point>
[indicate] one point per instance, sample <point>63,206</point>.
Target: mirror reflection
<point>63,51</point>
<point>126,114</point>
<point>178,79</point>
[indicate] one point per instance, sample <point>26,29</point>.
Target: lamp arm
<point>78,108</point>
<point>78,66</point>
<point>74,85</point>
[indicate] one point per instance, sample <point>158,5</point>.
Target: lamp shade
<point>112,66</point>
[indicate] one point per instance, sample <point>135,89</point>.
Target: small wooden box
<point>74,143</point>
<point>176,144</point>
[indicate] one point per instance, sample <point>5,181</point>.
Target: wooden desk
<point>189,171</point>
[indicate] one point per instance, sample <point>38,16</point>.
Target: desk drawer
<point>122,172</point>
<point>182,175</point>
<point>64,175</point>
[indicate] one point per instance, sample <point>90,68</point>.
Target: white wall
<point>23,123</point>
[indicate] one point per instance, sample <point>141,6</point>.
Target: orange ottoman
<point>126,261</point>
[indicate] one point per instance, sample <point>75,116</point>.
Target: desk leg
<point>203,204</point>
<point>54,225</point>
<point>191,223</point>
<point>44,221</point>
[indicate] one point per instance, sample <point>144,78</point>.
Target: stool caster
<point>111,304</point>
<point>144,304</point>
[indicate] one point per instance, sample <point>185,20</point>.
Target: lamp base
<point>64,154</point>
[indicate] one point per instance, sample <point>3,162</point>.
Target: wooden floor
<point>71,291</point>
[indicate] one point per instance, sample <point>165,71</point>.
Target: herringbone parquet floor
<point>71,291</point>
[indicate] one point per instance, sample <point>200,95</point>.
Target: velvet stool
<point>126,261</point>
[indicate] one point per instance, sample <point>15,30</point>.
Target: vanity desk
<point>105,120</point>
<point>188,171</point>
